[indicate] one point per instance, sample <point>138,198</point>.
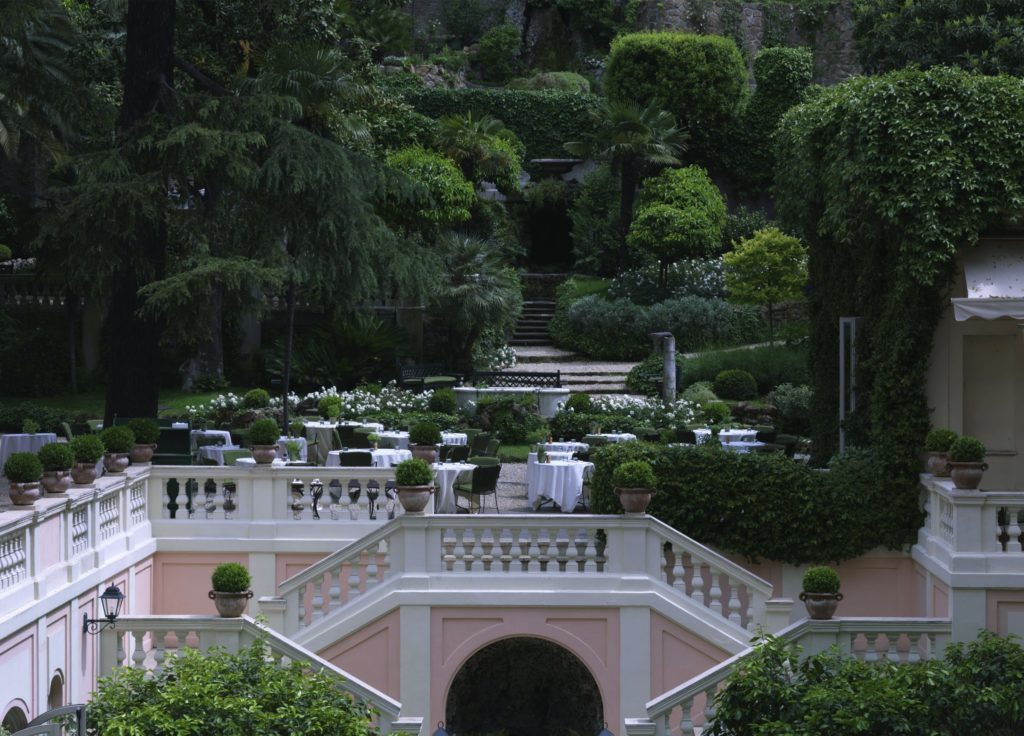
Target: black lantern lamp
<point>111,601</point>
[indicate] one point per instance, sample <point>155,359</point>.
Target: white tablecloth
<point>741,446</point>
<point>11,443</point>
<point>454,438</point>
<point>559,480</point>
<point>223,434</point>
<point>215,452</point>
<point>565,447</point>
<point>282,451</point>
<point>397,440</point>
<point>381,458</point>
<point>278,462</point>
<point>376,426</point>
<point>556,455</point>
<point>616,436</point>
<point>743,434</point>
<point>444,478</point>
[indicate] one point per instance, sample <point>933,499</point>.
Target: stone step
<point>530,355</point>
<point>600,388</point>
<point>528,341</point>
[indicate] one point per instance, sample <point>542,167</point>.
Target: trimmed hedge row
<point>765,506</point>
<point>544,120</point>
<point>769,365</point>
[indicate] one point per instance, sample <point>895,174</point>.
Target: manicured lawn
<point>172,401</point>
<point>514,453</point>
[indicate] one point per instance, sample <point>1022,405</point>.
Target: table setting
<point>560,481</point>
<point>445,475</point>
<point>382,458</point>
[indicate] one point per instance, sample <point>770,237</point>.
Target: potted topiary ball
<point>119,441</point>
<point>57,460</point>
<point>821,593</point>
<point>87,449</point>
<point>415,482</point>
<point>23,470</point>
<point>423,441</point>
<point>967,462</point>
<point>634,485</point>
<point>937,445</point>
<point>230,592</point>
<point>146,432</point>
<point>263,435</point>
<point>257,398</point>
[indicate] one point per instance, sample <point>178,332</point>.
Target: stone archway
<point>523,686</point>
<point>15,719</point>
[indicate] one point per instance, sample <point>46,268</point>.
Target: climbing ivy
<point>887,178</point>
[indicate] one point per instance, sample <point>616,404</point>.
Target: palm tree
<point>635,140</point>
<point>483,148</point>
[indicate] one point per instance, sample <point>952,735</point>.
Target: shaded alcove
<point>523,687</point>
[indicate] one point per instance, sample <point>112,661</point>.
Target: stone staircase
<point>578,373</point>
<point>532,327</point>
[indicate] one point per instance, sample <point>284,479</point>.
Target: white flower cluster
<point>644,409</point>
<point>354,403</point>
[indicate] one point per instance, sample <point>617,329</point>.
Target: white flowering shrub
<point>701,277</point>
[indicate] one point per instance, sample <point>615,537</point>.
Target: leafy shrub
<point>794,408</point>
<point>146,431</point>
<point>118,439</point>
<point>452,194</point>
<point>414,472</point>
<point>966,450</point>
<point>736,384</point>
<point>424,433</point>
<point>802,515</point>
<point>23,467</point>
<point>5,253</point>
<point>939,440</point>
<point>230,577</point>
<point>256,398</point>
<point>768,268</point>
<point>701,277</point>
<point>411,419</point>
<point>87,448</point>
<point>633,474</point>
<point>511,418</point>
<point>700,392</point>
<point>560,81</point>
<point>543,120</point>
<point>443,401</point>
<point>56,456</point>
<point>701,79</point>
<point>13,416</point>
<point>498,56</point>
<point>741,223</point>
<point>29,426</point>
<point>463,19</point>
<point>329,407</point>
<point>578,402</point>
<point>714,413</point>
<point>770,366</point>
<point>594,215</point>
<point>263,432</point>
<point>646,376</point>
<point>574,425</point>
<point>821,580</point>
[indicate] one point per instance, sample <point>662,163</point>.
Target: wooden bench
<point>422,376</point>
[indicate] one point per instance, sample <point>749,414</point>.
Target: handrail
<point>318,568</point>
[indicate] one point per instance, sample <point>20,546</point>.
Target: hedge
<point>765,506</point>
<point>769,365</point>
<point>544,120</point>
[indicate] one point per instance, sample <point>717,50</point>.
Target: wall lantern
<point>111,601</point>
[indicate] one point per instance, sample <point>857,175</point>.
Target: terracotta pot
<point>56,482</point>
<point>25,494</point>
<point>230,605</point>
<point>115,462</point>
<point>414,498</point>
<point>967,476</point>
<point>821,606</point>
<point>264,454</point>
<point>634,500</point>
<point>937,464</point>
<point>84,474</point>
<point>426,453</point>
<point>142,454</point>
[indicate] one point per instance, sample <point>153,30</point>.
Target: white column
<point>263,568</point>
<point>967,609</point>
<point>414,662</point>
<point>634,661</point>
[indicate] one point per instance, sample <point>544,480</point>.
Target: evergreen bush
<point>770,366</point>
<point>146,431</point>
<point>940,440</point>
<point>821,580</point>
<point>498,54</point>
<point>736,384</point>
<point>256,398</point>
<point>23,467</point>
<point>263,432</point>
<point>329,407</point>
<point>87,448</point>
<point>414,472</point>
<point>443,401</point>
<point>966,450</point>
<point>794,408</point>
<point>424,433</point>
<point>230,577</point>
<point>118,439</point>
<point>56,456</point>
<point>633,474</point>
<point>452,194</point>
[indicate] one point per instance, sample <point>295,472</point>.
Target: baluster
<point>892,652</point>
<point>543,545</point>
<point>581,543</point>
<point>121,654</point>
<point>448,542</point>
<point>871,655</point>
<point>1013,545</point>
<point>600,547</point>
<point>334,590</point>
<point>562,544</point>
<point>709,705</point>
<point>525,550</point>
<point>914,653</point>
<point>353,578</point>
<point>716,591</point>
<point>487,545</point>
<point>506,550</point>
<point>177,500</point>
<point>686,722</point>
<point>318,599</point>
<point>385,563</point>
<point>734,602</point>
<point>698,579</point>
<point>302,606</point>
<point>138,651</point>
<point>371,567</point>
<point>678,570</point>
<point>160,651</point>
<point>469,551</point>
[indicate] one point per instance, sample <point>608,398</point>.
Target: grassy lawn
<point>172,401</point>
<point>514,453</point>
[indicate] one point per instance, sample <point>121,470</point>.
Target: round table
<point>282,449</point>
<point>454,438</point>
<point>221,434</point>
<point>397,440</point>
<point>11,443</point>
<point>386,458</point>
<point>743,434</point>
<point>559,480</point>
<point>562,446</point>
<point>444,478</point>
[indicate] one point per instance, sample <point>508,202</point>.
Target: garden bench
<point>496,379</point>
<point>424,376</point>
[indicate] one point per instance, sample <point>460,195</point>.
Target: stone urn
<point>264,454</point>
<point>426,453</point>
<point>635,500</point>
<point>83,474</point>
<point>116,462</point>
<point>230,605</point>
<point>821,606</point>
<point>967,476</point>
<point>56,482</point>
<point>142,454</point>
<point>25,494</point>
<point>937,464</point>
<point>414,498</point>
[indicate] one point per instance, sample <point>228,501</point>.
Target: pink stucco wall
<point>1000,607</point>
<point>181,581</point>
<point>372,654</point>
<point>678,655</point>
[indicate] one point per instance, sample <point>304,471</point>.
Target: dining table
<point>560,481</point>
<point>444,482</point>
<point>565,446</point>
<point>220,434</point>
<point>383,458</point>
<point>23,442</point>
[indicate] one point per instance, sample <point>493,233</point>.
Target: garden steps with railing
<point>579,373</point>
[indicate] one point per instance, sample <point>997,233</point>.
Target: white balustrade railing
<point>531,547</point>
<point>690,706</point>
<point>147,641</point>
<point>968,528</point>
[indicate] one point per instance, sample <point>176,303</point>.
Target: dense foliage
<point>147,431</point>
<point>23,467</point>
<point>764,506</point>
<point>543,120</point>
<point>56,456</point>
<point>793,408</point>
<point>414,472</point>
<point>973,687</point>
<point>647,376</point>
<point>264,432</point>
<point>594,222</point>
<point>690,277</point>
<point>735,383</point>
<point>887,185</point>
<point>88,448</point>
<point>767,268</point>
<point>214,691</point>
<point>452,195</point>
<point>118,439</point>
<point>770,366</point>
<point>820,580</point>
<point>699,79</point>
<point>498,54</point>
<point>230,577</point>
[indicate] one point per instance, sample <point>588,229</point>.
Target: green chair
<point>482,460</point>
<point>65,429</point>
<point>483,483</point>
<point>686,436</point>
<point>356,459</point>
<point>231,457</point>
<point>492,448</point>
<point>174,447</point>
<point>471,435</point>
<point>456,453</point>
<point>359,440</point>
<point>479,444</point>
<point>766,434</point>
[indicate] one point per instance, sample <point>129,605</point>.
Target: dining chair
<point>457,453</point>
<point>359,441</point>
<point>492,448</point>
<point>479,444</point>
<point>482,483</point>
<point>482,460</point>
<point>356,459</point>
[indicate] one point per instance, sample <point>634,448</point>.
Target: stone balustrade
<point>147,641</point>
<point>689,707</point>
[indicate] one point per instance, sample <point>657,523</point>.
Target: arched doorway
<point>56,695</point>
<point>523,687</point>
<point>15,719</point>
